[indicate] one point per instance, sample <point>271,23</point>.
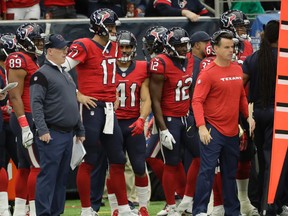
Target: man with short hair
<point>56,116</point>
<point>218,98</point>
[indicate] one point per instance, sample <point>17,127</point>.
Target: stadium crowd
<point>182,111</point>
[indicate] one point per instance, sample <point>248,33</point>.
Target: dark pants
<point>227,150</point>
<point>98,177</point>
<point>57,12</point>
<point>94,121</point>
<point>134,145</point>
<point>52,180</point>
<point>8,146</point>
<point>263,135</point>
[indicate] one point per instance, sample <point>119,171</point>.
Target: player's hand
<point>86,100</point>
<point>46,138</point>
<point>252,125</point>
<point>204,135</point>
<point>138,126</point>
<point>167,139</point>
<point>80,139</point>
<point>190,15</point>
<point>27,137</point>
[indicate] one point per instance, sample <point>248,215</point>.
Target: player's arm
<point>145,99</point>
<point>145,109</point>
<point>85,100</point>
<point>245,79</point>
<point>246,70</point>
<point>69,64</point>
<point>15,95</point>
<point>155,88</point>
<point>199,96</point>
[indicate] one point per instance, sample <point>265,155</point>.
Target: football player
<point>171,77</point>
<point>20,66</point>
<point>95,61</point>
<point>8,147</point>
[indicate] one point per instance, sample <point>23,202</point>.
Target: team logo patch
<point>92,113</point>
<point>35,78</point>
<point>199,81</point>
<point>182,3</point>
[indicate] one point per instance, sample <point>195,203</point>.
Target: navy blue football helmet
<point>127,38</point>
<point>232,19</point>
<point>28,35</point>
<point>176,36</point>
<point>8,44</point>
<point>153,40</point>
<point>100,19</point>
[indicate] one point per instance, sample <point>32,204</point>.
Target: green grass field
<point>73,208</point>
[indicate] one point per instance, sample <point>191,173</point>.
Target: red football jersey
<point>206,61</point>
<point>219,96</point>
<point>19,60</point>
<point>175,100</point>
<point>59,3</point>
<point>128,85</point>
<point>21,4</point>
<point>97,68</point>
<point>247,50</point>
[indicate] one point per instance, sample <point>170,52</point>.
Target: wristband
<point>23,121</point>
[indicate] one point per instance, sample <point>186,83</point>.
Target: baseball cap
<point>199,36</point>
<point>56,41</point>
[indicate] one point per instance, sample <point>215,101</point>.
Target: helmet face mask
<point>103,21</point>
<point>127,39</point>
<point>153,41</point>
<point>30,38</point>
<point>177,42</point>
<point>8,44</point>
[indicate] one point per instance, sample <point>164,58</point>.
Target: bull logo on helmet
<point>26,31</point>
<point>102,17</point>
<point>169,36</point>
<point>182,3</point>
<point>227,20</point>
<point>156,35</point>
<point>9,41</point>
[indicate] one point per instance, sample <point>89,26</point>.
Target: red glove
<point>138,126</point>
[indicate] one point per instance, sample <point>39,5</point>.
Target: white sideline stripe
<point>284,54</point>
<point>281,109</point>
<point>282,82</point>
<point>32,157</point>
<point>284,27</point>
<point>281,136</point>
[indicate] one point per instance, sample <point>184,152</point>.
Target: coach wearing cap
<point>56,116</point>
<point>198,42</point>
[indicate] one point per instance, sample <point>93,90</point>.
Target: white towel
<point>109,121</point>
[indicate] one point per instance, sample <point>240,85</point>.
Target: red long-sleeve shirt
<point>219,96</point>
